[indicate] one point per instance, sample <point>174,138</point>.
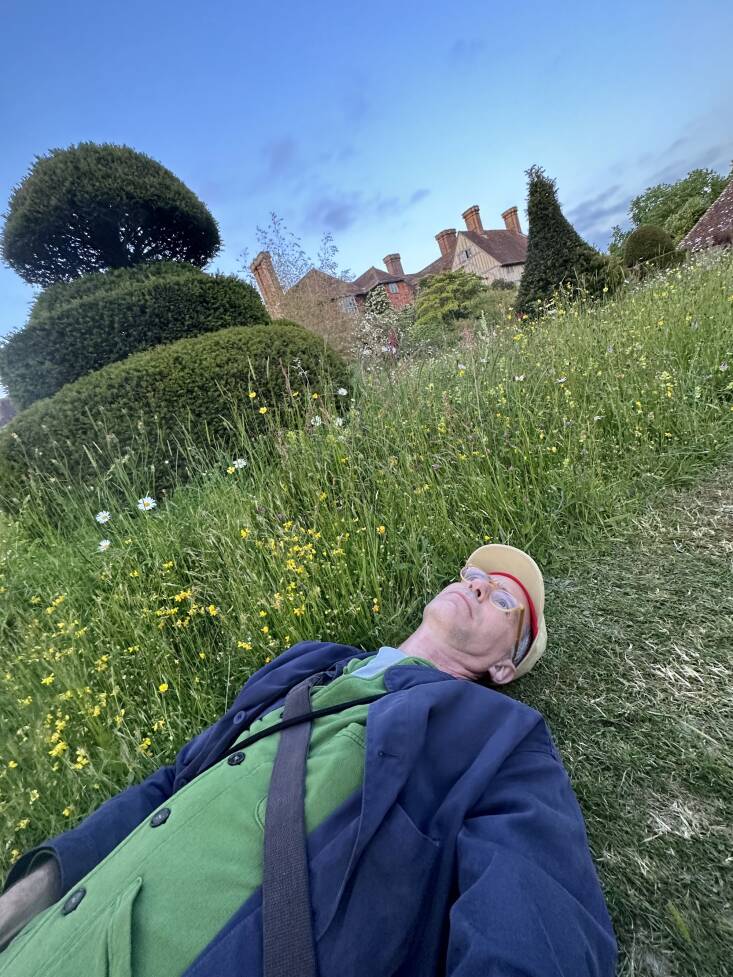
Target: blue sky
<point>380,123</point>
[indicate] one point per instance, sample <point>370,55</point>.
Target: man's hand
<point>28,897</point>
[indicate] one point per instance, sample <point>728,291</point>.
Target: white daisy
<point>339,421</point>
<point>561,380</point>
<point>239,462</point>
<point>104,544</point>
<point>103,517</point>
<point>146,503</point>
<point>316,421</point>
<point>342,391</point>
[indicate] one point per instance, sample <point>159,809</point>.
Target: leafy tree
<point>675,207</point>
<point>289,258</point>
<point>92,207</point>
<point>556,254</point>
<point>442,301</point>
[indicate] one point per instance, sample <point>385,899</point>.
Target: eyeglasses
<point>500,598</point>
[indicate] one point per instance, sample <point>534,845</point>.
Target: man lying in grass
<point>432,832</point>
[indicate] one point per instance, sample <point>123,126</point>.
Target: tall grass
<point>548,436</point>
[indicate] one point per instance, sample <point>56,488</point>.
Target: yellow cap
<point>495,558</point>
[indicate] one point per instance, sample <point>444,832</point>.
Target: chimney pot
<point>511,220</point>
<point>446,240</point>
<point>393,264</point>
<point>473,219</point>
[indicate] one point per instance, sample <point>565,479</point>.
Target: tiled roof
<point>715,226</point>
<point>326,284</point>
<point>440,264</point>
<point>507,247</point>
<point>371,277</point>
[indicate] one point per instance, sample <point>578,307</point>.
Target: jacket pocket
<point>118,942</point>
<point>379,911</point>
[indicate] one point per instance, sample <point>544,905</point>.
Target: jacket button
<point>160,817</point>
<point>235,759</point>
<point>239,718</point>
<point>73,901</point>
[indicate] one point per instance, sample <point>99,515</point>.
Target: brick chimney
<point>511,220</point>
<point>269,284</point>
<point>393,264</point>
<point>446,240</point>
<point>473,219</point>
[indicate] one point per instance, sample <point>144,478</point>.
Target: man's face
<point>466,619</point>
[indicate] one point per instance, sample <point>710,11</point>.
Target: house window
<point>393,287</point>
<point>348,304</point>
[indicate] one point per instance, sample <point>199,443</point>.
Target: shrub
<point>196,385</point>
<point>651,246</point>
<point>442,302</point>
<point>502,285</point>
<point>78,327</point>
<point>92,207</point>
<point>556,253</point>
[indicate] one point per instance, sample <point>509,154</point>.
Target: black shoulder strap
<point>283,724</point>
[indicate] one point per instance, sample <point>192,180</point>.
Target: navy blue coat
<point>463,854</point>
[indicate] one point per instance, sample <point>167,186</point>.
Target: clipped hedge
<point>650,245</point>
<point>201,383</point>
<point>78,327</point>
<point>96,206</point>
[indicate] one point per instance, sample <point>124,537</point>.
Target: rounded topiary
<point>78,327</point>
<point>650,244</point>
<point>199,384</point>
<point>92,207</point>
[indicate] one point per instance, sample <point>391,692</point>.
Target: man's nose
<point>479,588</point>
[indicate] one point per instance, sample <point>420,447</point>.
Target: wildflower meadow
<point>131,616</point>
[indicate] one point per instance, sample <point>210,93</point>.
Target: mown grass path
<point>637,686</point>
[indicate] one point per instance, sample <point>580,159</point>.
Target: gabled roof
<point>315,280</point>
<point>371,277</point>
<point>715,226</point>
<point>507,247</point>
<point>443,263</point>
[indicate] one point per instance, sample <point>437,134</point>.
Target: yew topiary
<point>198,386</point>
<point>81,326</point>
<point>91,207</point>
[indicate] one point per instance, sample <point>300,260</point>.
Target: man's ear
<point>503,671</point>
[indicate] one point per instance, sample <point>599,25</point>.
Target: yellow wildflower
<point>213,610</point>
<point>381,530</point>
<point>23,824</point>
<point>251,395</point>
<point>163,687</point>
<point>245,645</point>
<point>48,680</point>
<point>68,811</point>
<point>263,410</point>
<point>12,764</point>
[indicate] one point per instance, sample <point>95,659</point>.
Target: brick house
<point>490,254</point>
<point>715,227</point>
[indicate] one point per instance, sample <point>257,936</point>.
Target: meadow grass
<point>555,437</point>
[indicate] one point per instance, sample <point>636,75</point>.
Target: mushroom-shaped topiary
<point>91,207</point>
